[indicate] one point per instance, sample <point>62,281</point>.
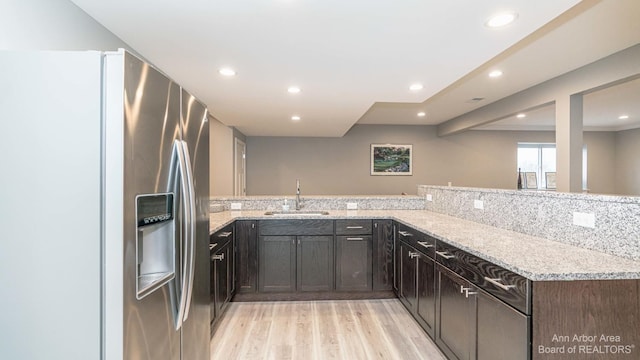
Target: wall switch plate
<point>429,197</point>
<point>352,206</point>
<point>584,219</point>
<point>478,204</point>
<point>236,206</point>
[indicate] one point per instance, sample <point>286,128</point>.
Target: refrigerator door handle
<point>191,228</point>
<point>183,188</point>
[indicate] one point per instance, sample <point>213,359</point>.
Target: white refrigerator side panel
<point>113,203</point>
<point>50,190</point>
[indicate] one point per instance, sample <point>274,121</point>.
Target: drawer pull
<point>445,254</point>
<point>354,239</point>
<point>404,233</point>
<point>425,244</point>
<point>212,246</point>
<point>467,292</point>
<point>497,283</point>
<point>355,227</point>
<point>218,257</point>
<point>225,234</point>
<point>413,255</point>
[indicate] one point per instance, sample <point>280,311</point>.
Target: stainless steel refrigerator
<point>105,199</point>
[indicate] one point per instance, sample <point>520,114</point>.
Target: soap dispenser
<point>285,205</point>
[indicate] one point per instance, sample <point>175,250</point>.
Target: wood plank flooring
<point>320,330</point>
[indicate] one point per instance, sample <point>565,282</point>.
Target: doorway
<point>239,168</point>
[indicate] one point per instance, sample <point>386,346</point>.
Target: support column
<point>569,143</point>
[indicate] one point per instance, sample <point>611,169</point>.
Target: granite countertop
<point>535,258</point>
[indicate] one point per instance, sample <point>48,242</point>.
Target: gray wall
<point>339,166</point>
<point>221,158</point>
<point>628,162</point>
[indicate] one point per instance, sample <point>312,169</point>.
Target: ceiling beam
<point>605,72</point>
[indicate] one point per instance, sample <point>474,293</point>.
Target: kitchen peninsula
<point>556,290</point>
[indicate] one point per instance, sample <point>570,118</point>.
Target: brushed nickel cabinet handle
<point>218,257</point>
<point>354,239</point>
<point>404,233</point>
<point>425,244</point>
<point>225,234</point>
<point>445,254</point>
<point>496,282</point>
<point>354,227</point>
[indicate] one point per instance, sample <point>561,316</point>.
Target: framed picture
<point>388,159</point>
<point>530,180</point>
<point>551,179</point>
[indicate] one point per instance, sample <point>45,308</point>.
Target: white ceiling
<point>355,60</point>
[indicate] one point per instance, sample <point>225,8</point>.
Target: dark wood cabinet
<point>277,259</point>
<point>222,260</point>
<point>382,255</point>
<point>455,304</point>
<point>246,268</point>
<point>314,267</point>
<point>296,256</point>
<point>426,293</point>
<point>408,288</point>
<point>502,333</point>
<point>221,253</point>
<point>353,263</point>
<point>417,285</point>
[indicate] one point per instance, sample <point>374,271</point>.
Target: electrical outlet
<point>584,219</point>
<point>236,206</point>
<point>429,197</point>
<point>478,204</point>
<point>352,206</point>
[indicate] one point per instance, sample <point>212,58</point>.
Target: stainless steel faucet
<point>298,202</point>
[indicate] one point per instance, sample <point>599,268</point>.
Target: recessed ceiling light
<point>501,19</point>
<point>416,87</point>
<point>623,117</point>
<point>293,89</point>
<point>521,116</point>
<point>422,114</point>
<point>227,72</point>
<point>295,118</point>
<point>495,74</point>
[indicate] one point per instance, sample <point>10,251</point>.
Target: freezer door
<point>195,129</point>
<point>152,124</point>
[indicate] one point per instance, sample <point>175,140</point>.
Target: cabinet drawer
<point>221,237</point>
<point>296,227</point>
<point>506,285</point>
<point>353,227</point>
<point>422,242</point>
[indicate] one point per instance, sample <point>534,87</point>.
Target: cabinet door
<point>426,307</point>
<point>397,262</point>
<point>455,313</point>
<point>246,267</point>
<point>353,268</point>
<point>408,288</point>
<point>315,263</point>
<point>502,332</point>
<point>221,270</point>
<point>277,261</point>
<point>382,255</point>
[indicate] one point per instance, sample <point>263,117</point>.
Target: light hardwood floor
<point>319,330</point>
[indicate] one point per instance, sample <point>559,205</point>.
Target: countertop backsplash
<point>549,215</point>
<point>314,203</point>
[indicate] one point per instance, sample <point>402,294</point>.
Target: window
<point>539,159</point>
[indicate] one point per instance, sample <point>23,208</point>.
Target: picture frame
<point>391,159</point>
<point>550,178</point>
<point>531,180</point>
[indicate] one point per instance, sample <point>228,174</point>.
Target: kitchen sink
<point>297,213</point>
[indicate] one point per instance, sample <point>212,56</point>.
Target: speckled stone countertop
<point>534,258</point>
